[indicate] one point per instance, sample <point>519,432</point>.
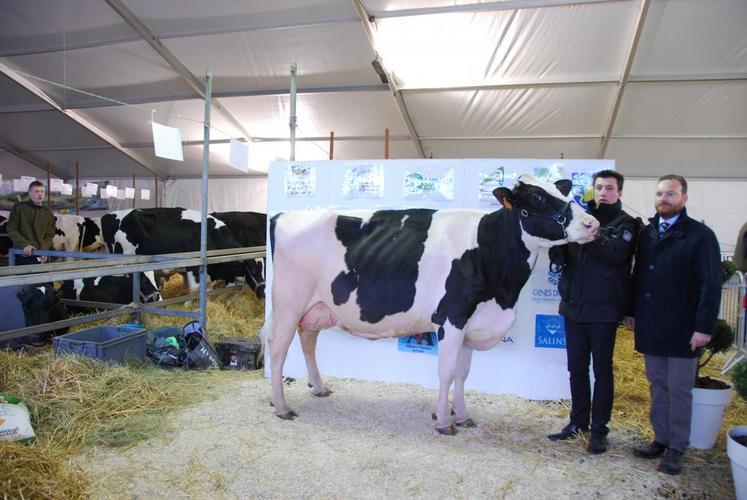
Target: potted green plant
<point>736,437</point>
<point>710,396</point>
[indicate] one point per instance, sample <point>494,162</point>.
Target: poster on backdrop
<point>530,359</point>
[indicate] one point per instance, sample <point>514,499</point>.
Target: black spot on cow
<point>495,270</point>
<point>273,223</point>
<point>59,232</point>
<point>382,257</point>
<point>109,227</point>
<point>87,233</point>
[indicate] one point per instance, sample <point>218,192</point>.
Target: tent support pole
<point>77,188</point>
<point>293,118</point>
<point>332,145</point>
<point>133,190</point>
<point>204,201</point>
<point>386,143</point>
<point>155,195</point>
<point>49,185</point>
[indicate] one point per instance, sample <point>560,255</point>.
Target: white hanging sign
<point>55,185</point>
<point>111,191</point>
<point>121,194</point>
<point>104,194</point>
<point>167,142</point>
<point>22,185</point>
<point>90,189</point>
<point>67,189</point>
<point>130,193</point>
<point>238,156</point>
<point>145,194</point>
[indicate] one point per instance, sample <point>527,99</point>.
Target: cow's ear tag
<point>564,186</point>
<point>504,196</point>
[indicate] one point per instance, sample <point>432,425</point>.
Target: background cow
<point>112,289</point>
<point>74,233</point>
<point>390,273</point>
<point>249,229</point>
<point>152,231</point>
<point>5,243</point>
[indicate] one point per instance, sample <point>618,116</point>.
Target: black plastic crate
<point>105,343</point>
<point>237,353</point>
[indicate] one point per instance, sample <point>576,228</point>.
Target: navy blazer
<point>676,288</point>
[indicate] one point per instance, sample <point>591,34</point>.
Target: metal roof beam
<point>366,22</point>
<point>483,7</point>
<point>172,60</point>
<point>80,120</point>
<point>625,75</point>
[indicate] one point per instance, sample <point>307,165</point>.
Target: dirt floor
<point>374,440</point>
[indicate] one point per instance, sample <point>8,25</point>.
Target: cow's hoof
<point>447,431</point>
<point>289,415</point>
<point>323,394</point>
<point>466,423</point>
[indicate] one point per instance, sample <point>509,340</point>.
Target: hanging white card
<point>104,194</point>
<point>55,185</point>
<point>121,194</point>
<point>145,194</point>
<point>167,142</point>
<point>67,189</point>
<point>111,191</point>
<point>22,185</point>
<point>90,189</point>
<point>130,193</point>
<point>238,156</point>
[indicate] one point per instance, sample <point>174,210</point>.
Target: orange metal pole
<point>386,143</point>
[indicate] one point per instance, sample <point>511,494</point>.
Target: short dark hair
<point>674,177</point>
<point>606,174</point>
<point>35,184</point>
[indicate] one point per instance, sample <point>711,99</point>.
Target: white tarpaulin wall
<point>660,86</point>
<point>529,362</point>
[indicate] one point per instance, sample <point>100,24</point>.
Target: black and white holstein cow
<point>390,273</point>
<point>249,229</point>
<point>5,243</point>
<point>112,289</point>
<point>152,231</point>
<point>74,233</point>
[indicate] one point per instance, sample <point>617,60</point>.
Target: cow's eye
<point>537,198</point>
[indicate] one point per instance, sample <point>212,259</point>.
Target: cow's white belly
<point>488,325</point>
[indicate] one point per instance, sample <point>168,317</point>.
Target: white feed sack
<point>15,422</point>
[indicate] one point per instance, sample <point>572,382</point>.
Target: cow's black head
<point>255,276</point>
<point>547,212</point>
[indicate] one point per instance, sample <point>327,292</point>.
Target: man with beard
<point>594,291</point>
<point>676,294</point>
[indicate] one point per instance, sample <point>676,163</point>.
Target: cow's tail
<point>273,222</point>
<point>264,333</point>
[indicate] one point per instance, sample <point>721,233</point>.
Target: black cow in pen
<point>152,231</point>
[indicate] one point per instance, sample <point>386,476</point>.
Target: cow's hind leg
<point>448,352</point>
<point>464,362</point>
<point>283,328</point>
<point>308,343</point>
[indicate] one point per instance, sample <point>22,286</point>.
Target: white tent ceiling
<point>658,85</point>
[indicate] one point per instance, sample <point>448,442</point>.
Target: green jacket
<point>31,224</point>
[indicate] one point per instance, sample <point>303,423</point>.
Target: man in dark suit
<point>676,294</point>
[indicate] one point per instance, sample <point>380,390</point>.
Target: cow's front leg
<point>464,362</point>
<point>449,347</point>
<point>308,344</point>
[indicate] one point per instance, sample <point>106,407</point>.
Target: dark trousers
<point>584,342</point>
<point>670,383</point>
<point>25,260</point>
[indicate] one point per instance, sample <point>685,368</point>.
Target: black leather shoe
<point>597,444</point>
<point>671,463</point>
<point>650,451</point>
<point>570,431</point>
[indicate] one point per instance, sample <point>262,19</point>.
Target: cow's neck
<point>506,260</point>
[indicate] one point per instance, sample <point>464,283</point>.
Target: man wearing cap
<point>31,225</point>
<point>676,293</point>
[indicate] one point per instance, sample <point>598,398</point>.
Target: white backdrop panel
<point>515,366</point>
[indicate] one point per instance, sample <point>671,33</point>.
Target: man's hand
<point>699,340</point>
<point>28,249</point>
<point>43,259</point>
<point>629,323</point>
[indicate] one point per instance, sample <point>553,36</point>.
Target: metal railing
<point>114,264</point>
<point>733,304</point>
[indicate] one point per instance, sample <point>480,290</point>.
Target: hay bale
<point>38,472</point>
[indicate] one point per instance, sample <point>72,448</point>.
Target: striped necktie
<point>663,226</point>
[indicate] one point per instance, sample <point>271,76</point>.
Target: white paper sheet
<point>22,185</point>
<point>130,193</point>
<point>67,189</point>
<point>239,155</point>
<point>111,191</point>
<point>167,142</point>
<point>90,189</point>
<point>145,194</point>
<point>121,194</point>
<point>55,185</point>
<point>104,194</point>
